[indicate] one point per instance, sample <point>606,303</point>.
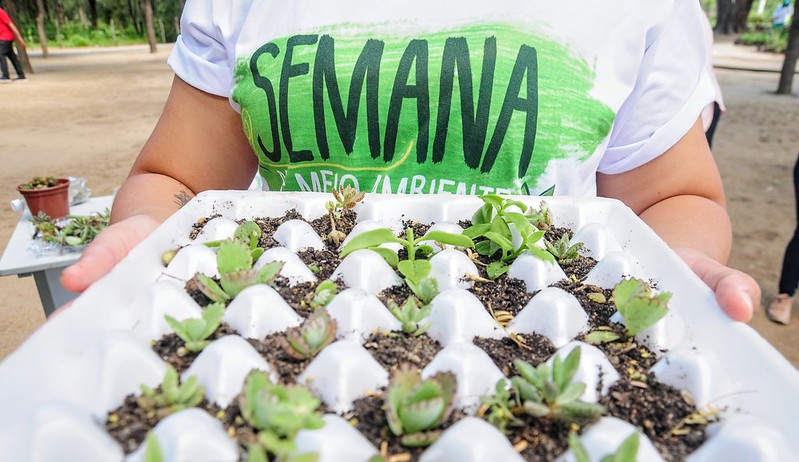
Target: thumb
<point>107,249</point>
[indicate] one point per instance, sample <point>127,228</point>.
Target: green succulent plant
<point>278,412</point>
<point>345,198</point>
<point>501,408</point>
<point>171,396</point>
<point>195,331</point>
<point>492,234</point>
<point>626,452</point>
<point>307,340</point>
<point>324,293</point>
<point>410,314</point>
<point>564,253</point>
<point>152,448</point>
<point>416,268</point>
<point>415,407</point>
<point>541,217</point>
<point>639,308</point>
<point>235,263</point>
<point>548,392</point>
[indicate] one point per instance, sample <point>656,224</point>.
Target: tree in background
<point>11,8</point>
<point>148,21</point>
<point>723,17</point>
<point>791,56</point>
<point>40,28</point>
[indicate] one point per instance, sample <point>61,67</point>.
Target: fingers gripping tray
<point>62,390</point>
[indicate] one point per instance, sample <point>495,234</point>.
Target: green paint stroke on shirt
<point>568,121</point>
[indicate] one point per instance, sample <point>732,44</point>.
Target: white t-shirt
<point>452,96</point>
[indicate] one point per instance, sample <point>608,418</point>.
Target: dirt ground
<point>87,113</point>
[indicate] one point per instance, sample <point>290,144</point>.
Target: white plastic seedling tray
<point>56,389</point>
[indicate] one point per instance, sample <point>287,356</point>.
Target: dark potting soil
<point>419,229</point>
<point>394,349</point>
<point>504,351</point>
<point>502,294</point>
<point>193,289</point>
<point>660,412</point>
<point>269,225</point>
<point>321,262</point>
<point>598,313</point>
<point>171,349</point>
<point>369,418</point>
<point>128,424</point>
<point>398,293</point>
<point>344,224</point>
<point>299,296</point>
<point>198,226</point>
<point>271,349</point>
<point>539,439</point>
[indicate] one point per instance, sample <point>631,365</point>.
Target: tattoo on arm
<point>182,198</point>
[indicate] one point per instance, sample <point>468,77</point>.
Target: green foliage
<point>307,340</point>
<point>550,393</point>
<point>152,449</point>
<point>345,198</point>
<point>171,396</point>
<point>234,259</point>
<point>636,304</point>
<point>77,231</point>
<point>564,253</point>
<point>414,408</point>
<point>324,293</point>
<point>502,408</point>
<point>40,182</point>
<point>414,271</point>
<point>195,331</point>
<point>248,233</point>
<point>491,231</point>
<point>411,314</point>
<point>626,452</point>
<point>278,412</point>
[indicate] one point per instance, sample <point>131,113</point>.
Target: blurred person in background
<point>781,18</point>
<point>781,307</point>
<point>8,32</point>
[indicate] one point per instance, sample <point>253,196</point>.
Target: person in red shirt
<point>8,32</point>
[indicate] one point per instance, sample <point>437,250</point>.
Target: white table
<point>20,260</point>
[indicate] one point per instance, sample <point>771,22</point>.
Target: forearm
<point>692,222</point>
<point>150,194</point>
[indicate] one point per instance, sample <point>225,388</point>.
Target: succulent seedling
<point>235,263</point>
<point>410,314</point>
<point>345,198</point>
<point>152,449</point>
<point>195,331</point>
<point>541,217</point>
<point>415,407</point>
<point>492,221</point>
<point>501,408</point>
<point>626,452</point>
<point>414,269</point>
<point>639,308</point>
<point>307,340</point>
<point>79,230</point>
<point>171,396</point>
<point>549,392</point>
<point>564,253</point>
<point>278,412</point>
<point>324,293</point>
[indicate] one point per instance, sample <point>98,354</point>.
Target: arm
<point>680,195</point>
<point>17,34</point>
<point>198,144</point>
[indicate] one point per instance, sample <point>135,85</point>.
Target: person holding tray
<point>411,97</point>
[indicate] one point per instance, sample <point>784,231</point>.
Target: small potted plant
<point>46,194</point>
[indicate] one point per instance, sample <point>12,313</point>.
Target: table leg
<point>52,295</point>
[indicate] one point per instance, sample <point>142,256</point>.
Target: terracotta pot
<point>53,201</point>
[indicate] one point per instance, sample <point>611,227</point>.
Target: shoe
<point>5,80</point>
<point>21,80</point>
<point>780,309</point>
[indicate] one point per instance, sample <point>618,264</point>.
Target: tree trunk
<point>40,28</point>
<point>791,56</point>
<point>93,12</point>
<point>182,3</point>
<point>740,14</point>
<point>148,21</point>
<point>723,16</point>
<point>11,9</point>
<point>59,11</point>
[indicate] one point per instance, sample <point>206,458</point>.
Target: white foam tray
<point>56,389</point>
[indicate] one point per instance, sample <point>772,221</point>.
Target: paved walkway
<point>727,55</point>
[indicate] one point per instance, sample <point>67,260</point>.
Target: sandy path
<point>87,114</point>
